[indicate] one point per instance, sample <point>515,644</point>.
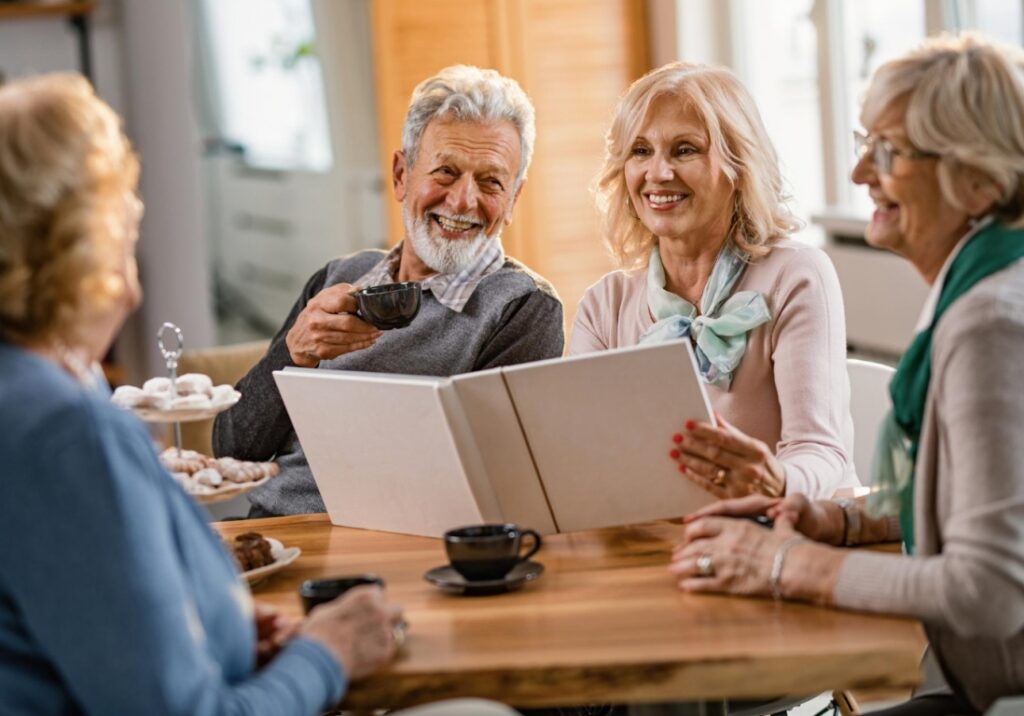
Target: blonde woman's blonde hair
<point>965,103</point>
<point>760,215</point>
<point>66,173</point>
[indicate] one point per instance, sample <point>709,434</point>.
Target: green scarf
<point>991,249</point>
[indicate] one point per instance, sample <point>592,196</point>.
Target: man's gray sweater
<point>513,316</point>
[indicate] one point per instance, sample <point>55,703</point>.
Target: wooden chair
<point>224,364</point>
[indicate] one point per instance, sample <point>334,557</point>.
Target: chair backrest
<point>1007,706</point>
<point>869,402</point>
<point>224,364</point>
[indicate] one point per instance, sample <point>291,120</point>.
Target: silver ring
<point>705,567</point>
<point>398,634</point>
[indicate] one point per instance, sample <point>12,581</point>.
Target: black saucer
<point>449,580</point>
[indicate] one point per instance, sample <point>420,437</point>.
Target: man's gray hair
<point>469,93</point>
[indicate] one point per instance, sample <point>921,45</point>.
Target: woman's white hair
<point>965,103</point>
<point>470,93</point>
<point>759,213</point>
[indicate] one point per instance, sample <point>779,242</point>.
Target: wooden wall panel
<point>574,58</point>
<point>413,39</point>
<point>578,57</point>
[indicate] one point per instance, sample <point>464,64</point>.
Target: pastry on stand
<point>193,396</point>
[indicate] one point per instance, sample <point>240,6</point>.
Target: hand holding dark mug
<point>361,629</point>
<point>315,592</point>
<point>390,305</point>
<point>328,327</point>
<point>488,552</point>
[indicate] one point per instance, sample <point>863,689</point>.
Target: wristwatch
<point>851,521</point>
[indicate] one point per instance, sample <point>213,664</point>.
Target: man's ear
<point>399,174</point>
<point>508,214</point>
<point>977,192</point>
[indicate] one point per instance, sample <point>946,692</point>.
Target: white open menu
<point>557,445</point>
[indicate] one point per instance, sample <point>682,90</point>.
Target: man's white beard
<point>446,256</point>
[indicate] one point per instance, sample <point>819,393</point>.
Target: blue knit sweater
<point>115,596</point>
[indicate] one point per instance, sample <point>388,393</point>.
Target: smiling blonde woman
<point>695,214</point>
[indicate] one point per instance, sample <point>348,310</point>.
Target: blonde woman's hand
<point>727,462</point>
<point>821,520</point>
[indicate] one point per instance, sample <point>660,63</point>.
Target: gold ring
<point>719,478</point>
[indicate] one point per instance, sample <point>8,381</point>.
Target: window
<point>267,94</point>
<point>872,32</point>
<point>777,61</point>
<point>1000,19</point>
<point>807,64</point>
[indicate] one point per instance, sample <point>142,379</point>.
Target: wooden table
<point>604,624</point>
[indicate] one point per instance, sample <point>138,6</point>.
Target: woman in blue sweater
<point>115,596</point>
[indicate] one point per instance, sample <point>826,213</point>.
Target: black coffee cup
<point>487,552</point>
<point>318,591</point>
<point>390,305</point>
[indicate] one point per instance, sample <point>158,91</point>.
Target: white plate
<point>184,415</point>
<point>283,556</point>
<point>227,491</point>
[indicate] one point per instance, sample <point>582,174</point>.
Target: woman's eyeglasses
<point>882,151</point>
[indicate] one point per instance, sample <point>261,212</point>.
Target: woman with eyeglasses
<point>943,161</point>
<point>696,215</point>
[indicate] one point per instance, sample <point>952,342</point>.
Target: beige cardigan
<point>966,581</point>
<point>791,390</point>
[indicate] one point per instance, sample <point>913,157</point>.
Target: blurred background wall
<point>266,128</point>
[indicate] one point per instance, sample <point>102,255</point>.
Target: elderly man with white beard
<point>466,145</point>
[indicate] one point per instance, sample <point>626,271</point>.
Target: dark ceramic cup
<point>319,591</point>
<point>390,305</point>
<point>488,552</point>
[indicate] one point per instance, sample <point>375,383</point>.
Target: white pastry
<point>196,401</point>
<point>172,453</point>
<point>192,383</point>
<point>190,461</point>
<point>224,395</point>
<point>128,396</point>
<point>155,386</point>
<point>208,476</point>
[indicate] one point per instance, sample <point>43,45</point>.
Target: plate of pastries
<point>193,397</point>
<point>214,479</point>
<point>258,557</point>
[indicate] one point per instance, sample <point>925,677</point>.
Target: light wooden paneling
<point>578,56</point>
<point>414,40</point>
<point>574,58</point>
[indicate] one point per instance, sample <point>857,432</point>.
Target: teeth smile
<point>453,224</point>
<point>664,198</point>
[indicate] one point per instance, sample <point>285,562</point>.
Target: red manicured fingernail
<point>690,425</point>
<point>674,454</point>
<point>677,438</point>
<point>682,468</point>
